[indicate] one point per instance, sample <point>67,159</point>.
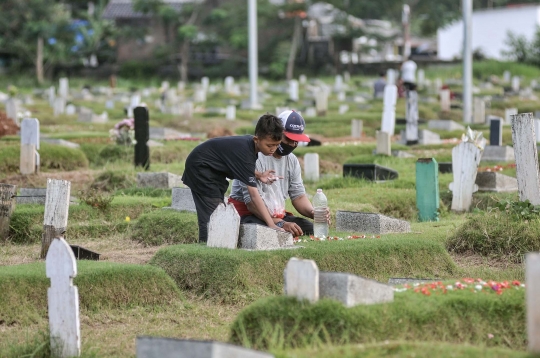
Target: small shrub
<point>96,199</point>
<point>166,227</point>
<point>111,180</point>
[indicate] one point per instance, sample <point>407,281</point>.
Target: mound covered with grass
<point>459,317</point>
<point>101,285</point>
<point>84,221</point>
<point>166,227</point>
<point>52,157</point>
<point>240,276</point>
<point>496,235</point>
<point>402,349</point>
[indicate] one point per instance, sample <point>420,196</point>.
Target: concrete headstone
<point>352,290</point>
<point>302,279</point>
<point>223,227</point>
<point>311,167</point>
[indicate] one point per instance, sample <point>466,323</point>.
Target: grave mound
<point>101,285</point>
<point>412,317</point>
<point>242,276</point>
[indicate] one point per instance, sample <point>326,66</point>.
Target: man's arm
<point>303,206</point>
<point>257,201</point>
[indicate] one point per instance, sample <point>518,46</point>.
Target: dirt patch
<point>469,259</point>
<point>80,179</point>
<point>219,132</point>
<point>7,125</point>
<point>325,166</point>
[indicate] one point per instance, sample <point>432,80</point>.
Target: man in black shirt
<point>210,164</point>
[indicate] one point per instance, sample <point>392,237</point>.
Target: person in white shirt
<point>408,75</point>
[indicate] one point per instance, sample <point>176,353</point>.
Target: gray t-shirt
<point>287,166</point>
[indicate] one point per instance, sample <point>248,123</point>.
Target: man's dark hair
<point>269,125</point>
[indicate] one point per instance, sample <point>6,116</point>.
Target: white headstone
<point>63,300</point>
<point>51,94</point>
<point>356,128</point>
<point>524,139</point>
<point>109,104</point>
<point>508,113</point>
<point>437,84</point>
<point>321,102</point>
<point>231,113</point>
<point>534,84</point>
<point>507,76</point>
<point>311,167</point>
<point>29,161</point>
<point>346,77</point>
<point>338,83</point>
<point>343,108</point>
<point>479,115</point>
<point>135,101</point>
<point>199,95</point>
<point>384,145</point>
<point>12,109</point>
<point>532,306</point>
<point>515,84</point>
<point>59,106</point>
<point>223,227</point>
<point>389,109</point>
<point>229,83</point>
<point>302,79</point>
<point>187,109</point>
<point>293,90</point>
<point>445,100</point>
<point>180,86</point>
<point>63,88</point>
<point>341,96</point>
<point>311,112</point>
<point>411,129</point>
<point>71,109</point>
<point>165,85</point>
<point>465,160</point>
<point>302,279</point>
<point>205,83</point>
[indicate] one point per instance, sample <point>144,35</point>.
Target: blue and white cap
<point>294,126</point>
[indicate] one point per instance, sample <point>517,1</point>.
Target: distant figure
<point>408,75</point>
<point>378,86</point>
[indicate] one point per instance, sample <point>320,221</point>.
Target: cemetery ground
<point>154,279</point>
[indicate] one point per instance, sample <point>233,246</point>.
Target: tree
<point>34,31</point>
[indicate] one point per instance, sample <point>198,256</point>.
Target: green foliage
<point>138,69</point>
<point>101,285</point>
<point>239,276</point>
<point>26,224</point>
<point>460,317</point>
<point>150,192</point>
<point>519,210</point>
<point>96,199</point>
<point>166,227</point>
<point>500,235</point>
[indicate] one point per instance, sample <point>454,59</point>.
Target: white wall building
<point>489,31</point>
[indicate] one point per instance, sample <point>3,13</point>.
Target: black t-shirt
<point>211,162</point>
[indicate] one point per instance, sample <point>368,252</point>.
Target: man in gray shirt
<point>287,168</point>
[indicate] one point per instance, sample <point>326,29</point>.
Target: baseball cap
<point>294,126</point>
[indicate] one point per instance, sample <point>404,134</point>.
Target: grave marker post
<point>311,167</point>
<point>479,116</point>
<point>389,109</point>
<point>465,159</point>
<point>524,138</point>
<point>427,189</point>
<point>445,100</point>
<point>63,300</point>
<point>29,158</point>
<point>293,90</point>
<point>7,206</point>
<point>495,131</point>
<point>384,144</point>
<point>411,129</point>
<point>532,292</point>
<point>12,109</point>
<point>356,128</point>
<point>56,212</point>
<point>142,135</point>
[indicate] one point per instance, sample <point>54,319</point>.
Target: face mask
<point>284,149</point>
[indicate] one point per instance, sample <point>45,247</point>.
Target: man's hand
<point>293,228</point>
<point>328,217</point>
<point>267,177</point>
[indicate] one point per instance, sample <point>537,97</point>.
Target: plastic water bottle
<point>320,205</point>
